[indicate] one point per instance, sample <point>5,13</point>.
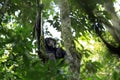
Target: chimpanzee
<point>60,53</point>
<point>52,51</point>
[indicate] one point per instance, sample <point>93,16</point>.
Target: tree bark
<point>72,55</point>
<point>114,26</point>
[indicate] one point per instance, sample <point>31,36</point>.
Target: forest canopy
<point>87,32</point>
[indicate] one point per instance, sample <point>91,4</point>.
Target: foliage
<point>18,61</point>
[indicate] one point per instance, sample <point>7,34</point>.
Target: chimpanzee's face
<point>51,43</point>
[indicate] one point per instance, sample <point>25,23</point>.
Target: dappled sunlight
<point>95,58</point>
<point>95,47</point>
<point>85,25</point>
<point>88,44</point>
<point>117,7</point>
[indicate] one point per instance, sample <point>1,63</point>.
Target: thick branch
<point>115,31</point>
<point>72,57</point>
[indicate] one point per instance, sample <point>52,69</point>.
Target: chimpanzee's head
<point>50,42</point>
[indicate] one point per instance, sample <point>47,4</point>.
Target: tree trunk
<point>114,26</point>
<point>72,54</point>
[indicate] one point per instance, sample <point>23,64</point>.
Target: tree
<point>73,57</point>
<point>87,56</point>
<point>114,26</point>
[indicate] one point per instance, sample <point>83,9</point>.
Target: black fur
<point>52,51</point>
